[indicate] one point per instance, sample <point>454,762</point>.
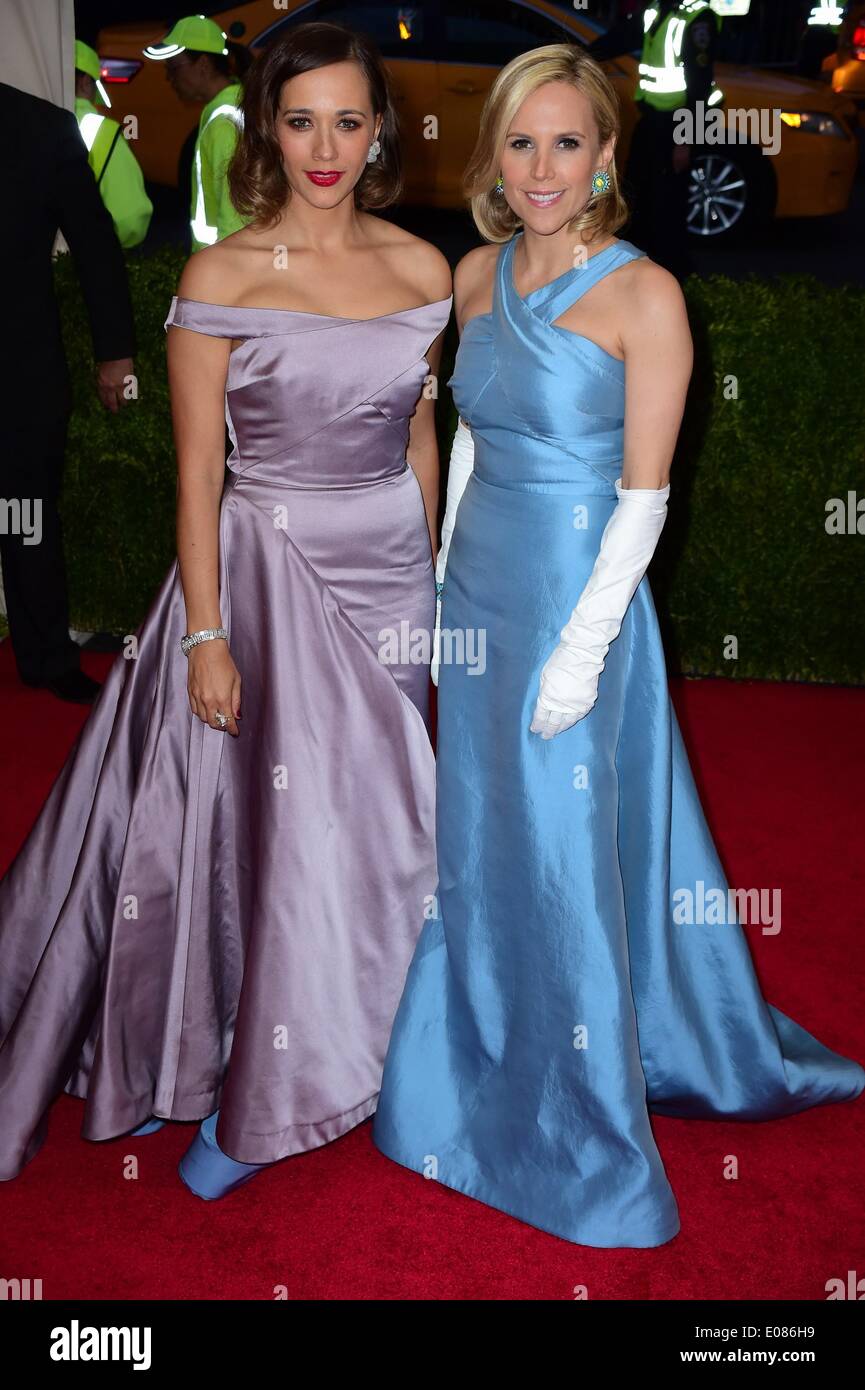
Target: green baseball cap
<point>196,32</point>
<point>87,60</point>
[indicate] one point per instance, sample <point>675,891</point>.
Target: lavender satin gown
<point>197,921</point>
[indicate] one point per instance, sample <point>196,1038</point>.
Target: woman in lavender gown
<point>213,915</point>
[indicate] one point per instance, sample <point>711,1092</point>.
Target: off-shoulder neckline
<point>305,313</point>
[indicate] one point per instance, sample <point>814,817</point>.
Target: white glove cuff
<point>627,545</point>
<point>569,679</point>
<point>653,498</point>
<point>462,460</point>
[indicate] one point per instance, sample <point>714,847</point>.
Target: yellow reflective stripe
<point>201,228</point>
<point>662,79</point>
<point>227,109</point>
<point>673,42</point>
<point>89,127</point>
<point>97,132</point>
<point>826,14</point>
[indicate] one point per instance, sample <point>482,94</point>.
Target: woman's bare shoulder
<point>417,261</point>
<point>473,281</point>
<point>650,289</point>
<point>476,268</point>
<point>653,315</point>
<point>216,274</point>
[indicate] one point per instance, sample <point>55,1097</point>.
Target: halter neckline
<point>614,245</point>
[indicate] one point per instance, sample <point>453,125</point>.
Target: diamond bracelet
<point>192,639</point>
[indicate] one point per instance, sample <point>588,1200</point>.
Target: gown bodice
<point>317,401</point>
<point>546,406</point>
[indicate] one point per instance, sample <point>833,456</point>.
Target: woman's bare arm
<point>197,369</point>
<point>197,366</point>
<point>422,451</point>
<point>659,356</point>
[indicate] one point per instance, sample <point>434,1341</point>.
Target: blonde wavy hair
<point>604,213</point>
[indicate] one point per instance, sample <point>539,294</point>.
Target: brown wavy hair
<point>257,183</point>
<point>603,213</point>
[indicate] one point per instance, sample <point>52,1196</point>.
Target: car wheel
<point>729,194</point>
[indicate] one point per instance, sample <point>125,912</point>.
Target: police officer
<point>116,170</point>
<point>676,72</point>
<point>198,64</point>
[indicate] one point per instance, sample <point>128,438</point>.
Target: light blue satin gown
<point>553,1000</point>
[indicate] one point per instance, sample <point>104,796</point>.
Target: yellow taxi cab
<point>443,55</point>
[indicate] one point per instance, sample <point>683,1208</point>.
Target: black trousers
<point>34,575</point>
<point>657,195</point>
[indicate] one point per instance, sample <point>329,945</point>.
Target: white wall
<point>37,48</point>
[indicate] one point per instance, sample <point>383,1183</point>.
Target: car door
<point>402,35</point>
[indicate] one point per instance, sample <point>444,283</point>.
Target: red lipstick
<point>323,177</point>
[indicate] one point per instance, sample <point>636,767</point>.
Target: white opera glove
<point>459,470</point>
<point>569,679</point>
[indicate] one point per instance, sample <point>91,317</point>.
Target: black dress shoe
<point>75,686</point>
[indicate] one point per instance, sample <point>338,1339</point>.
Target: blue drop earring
<point>499,186</point>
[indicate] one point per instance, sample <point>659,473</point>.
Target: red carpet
<point>781,770</point>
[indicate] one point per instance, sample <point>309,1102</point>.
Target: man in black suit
<point>48,184</point>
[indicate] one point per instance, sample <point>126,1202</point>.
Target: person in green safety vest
<point>198,63</point>
<point>116,170</point>
<point>674,36</point>
<point>676,71</point>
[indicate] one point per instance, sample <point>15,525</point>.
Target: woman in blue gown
<point>558,992</point>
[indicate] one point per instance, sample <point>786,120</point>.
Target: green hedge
<point>745,550</point>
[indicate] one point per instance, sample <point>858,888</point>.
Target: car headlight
<point>814,123</point>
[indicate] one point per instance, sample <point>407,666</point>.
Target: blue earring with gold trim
<point>601,182</point>
<point>499,186</point>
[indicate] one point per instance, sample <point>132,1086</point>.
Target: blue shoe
<point>149,1127</point>
<point>207,1171</point>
